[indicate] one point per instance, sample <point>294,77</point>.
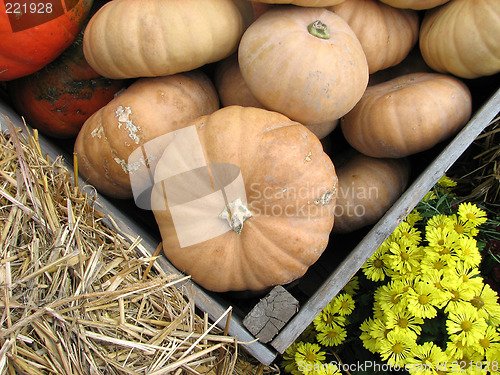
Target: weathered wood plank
<point>271,313</point>
<point>407,202</point>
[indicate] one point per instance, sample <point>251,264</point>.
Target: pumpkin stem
<point>319,29</point>
<point>235,213</point>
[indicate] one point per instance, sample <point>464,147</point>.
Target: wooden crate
<point>341,260</point>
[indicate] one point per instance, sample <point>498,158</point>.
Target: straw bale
<point>79,297</point>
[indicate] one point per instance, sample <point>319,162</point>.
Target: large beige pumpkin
<point>462,37</point>
<point>233,90</point>
<point>414,4</point>
<point>387,34</point>
<point>147,38</point>
<point>367,188</point>
<point>407,114</point>
<point>249,205</point>
<point>291,68</point>
<point>149,108</point>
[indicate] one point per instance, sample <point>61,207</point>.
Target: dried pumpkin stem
<point>319,29</point>
<point>235,213</point>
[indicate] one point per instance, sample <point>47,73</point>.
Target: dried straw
<point>478,170</point>
<point>78,297</point>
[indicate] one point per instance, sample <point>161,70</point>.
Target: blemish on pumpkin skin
<point>97,132</point>
<point>123,114</point>
<point>308,157</point>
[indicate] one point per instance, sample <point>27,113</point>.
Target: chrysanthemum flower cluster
<point>425,275</point>
<point>307,355</point>
<point>429,275</point>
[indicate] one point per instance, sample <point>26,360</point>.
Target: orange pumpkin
<point>407,114</point>
<point>233,90</point>
<point>306,63</point>
<point>147,109</point>
<point>387,34</point>
<point>368,187</point>
<point>250,206</point>
<point>231,86</point>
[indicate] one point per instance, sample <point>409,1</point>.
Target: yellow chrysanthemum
<point>309,355</point>
<point>466,275</point>
<point>432,260</point>
<point>465,324</point>
<point>413,217</point>
<point>461,292</point>
<point>463,227</point>
<point>326,369</point>
<point>489,343</point>
<point>486,304</point>
<point>423,299</point>
<point>328,318</point>
<point>469,212</point>
<point>468,252</point>
<point>443,240</point>
<point>288,362</point>
<point>343,304</point>
<point>403,257</point>
<point>435,277</point>
<point>396,347</point>
<point>439,221</point>
<point>331,336</point>
<point>446,182</point>
<point>404,321</point>
<point>391,295</point>
<point>369,338</point>
<point>375,267</point>
<point>426,359</point>
<point>409,232</point>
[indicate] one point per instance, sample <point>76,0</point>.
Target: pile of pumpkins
<point>230,159</point>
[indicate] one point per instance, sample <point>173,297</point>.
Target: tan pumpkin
<point>367,188</point>
<point>303,3</point>
<point>462,37</point>
<point>387,34</point>
<point>233,90</point>
<point>147,38</point>
<point>149,108</point>
<point>250,205</point>
<point>407,114</point>
<point>413,63</point>
<point>231,86</point>
<point>306,63</point>
<point>414,4</point>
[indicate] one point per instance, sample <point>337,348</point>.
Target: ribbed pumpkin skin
<point>308,79</point>
<point>231,86</point>
<point>157,106</point>
<point>414,4</point>
<point>407,114</point>
<point>387,34</point>
<point>285,171</point>
<point>61,96</point>
<point>147,38</point>
<point>462,38</point>
<point>367,189</point>
<point>233,90</point>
